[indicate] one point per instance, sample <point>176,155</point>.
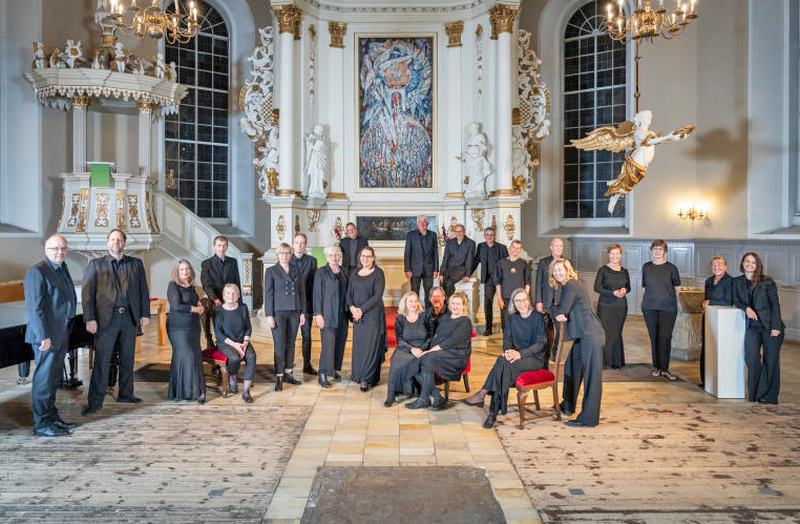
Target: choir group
<point>433,340</point>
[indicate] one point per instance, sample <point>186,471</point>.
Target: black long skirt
<point>402,369</point>
<point>369,347</point>
<point>613,320</point>
<point>502,377</point>
<point>186,377</point>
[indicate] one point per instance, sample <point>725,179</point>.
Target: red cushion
<point>469,366</point>
<point>214,354</point>
<point>531,378</point>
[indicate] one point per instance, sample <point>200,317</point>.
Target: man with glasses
<point>50,300</point>
<point>458,260</point>
<point>488,255</point>
<point>351,246</point>
<point>421,258</point>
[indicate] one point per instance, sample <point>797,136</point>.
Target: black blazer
<point>307,266</point>
<point>458,260</point>
<point>99,290</point>
<point>213,277</point>
<point>421,255</point>
<point>576,305</point>
<point>344,245</point>
<point>283,291</point>
<point>50,301</point>
<point>542,291</point>
<point>763,300</point>
<point>330,296</point>
<point>482,258</point>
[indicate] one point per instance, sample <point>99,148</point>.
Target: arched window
<point>594,96</point>
<point>197,138</point>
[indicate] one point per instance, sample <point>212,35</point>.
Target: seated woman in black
<point>413,329</point>
<point>448,355</point>
<point>232,329</point>
<point>585,359</point>
<point>757,295</point>
<point>523,350</point>
<point>719,292</point>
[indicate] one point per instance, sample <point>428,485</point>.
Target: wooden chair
<point>219,368</point>
<point>542,379</point>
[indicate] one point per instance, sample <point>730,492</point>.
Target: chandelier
<point>646,22</point>
<point>155,23</point>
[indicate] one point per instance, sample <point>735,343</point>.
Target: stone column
<point>145,136</point>
<point>289,29</point>
<point>502,18</point>
<point>452,184</point>
<point>334,83</point>
<point>79,105</point>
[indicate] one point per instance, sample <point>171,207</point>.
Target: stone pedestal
<point>725,368</point>
<point>687,336</point>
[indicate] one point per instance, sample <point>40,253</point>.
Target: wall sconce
<point>692,213</point>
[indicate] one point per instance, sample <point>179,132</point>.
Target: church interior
<point>605,125</point>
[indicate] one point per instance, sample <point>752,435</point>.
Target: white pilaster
<point>287,107</point>
<point>145,137</point>
<point>504,104</point>
<point>79,106</point>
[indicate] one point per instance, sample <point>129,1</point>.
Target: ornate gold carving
<point>152,223</point>
<point>280,227</point>
<point>337,31</point>
<point>121,209</point>
<point>84,200</point>
<point>133,211</point>
<point>109,40</point>
<point>454,195</point>
<point>454,30</point>
<point>289,17</point>
<point>297,224</point>
<point>146,107</point>
<point>79,101</point>
<point>510,227</point>
<point>494,222</point>
<point>516,116</point>
<point>63,204</point>
<point>502,19</point>
<point>519,184</point>
<point>272,181</point>
<point>337,228</point>
<point>502,192</point>
<point>275,118</point>
<point>288,192</point>
<point>477,216</point>
<point>337,196</point>
<point>170,182</point>
<point>247,279</point>
<point>74,209</point>
<point>452,229</point>
<point>101,201</point>
<point>313,217</point>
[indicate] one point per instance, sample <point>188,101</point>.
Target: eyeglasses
<point>56,248</point>
<point>367,256</point>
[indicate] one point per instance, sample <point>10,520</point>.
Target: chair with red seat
<point>391,314</point>
<point>218,360</point>
<point>542,379</point>
<point>464,376</point>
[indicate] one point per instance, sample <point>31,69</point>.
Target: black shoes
<point>364,387</point>
<point>336,376</point>
<point>279,384</point>
<point>247,398</point>
<point>233,386</point>
<point>323,381</point>
<point>50,431</point>
<point>564,410</point>
<point>438,404</point>
<point>88,410</point>
<point>64,425</point>
<point>490,420</point>
<point>418,404</point>
<point>129,400</point>
<point>389,401</point>
<point>289,379</point>
<point>201,400</point>
<point>309,370</point>
<point>487,332</point>
<point>468,403</point>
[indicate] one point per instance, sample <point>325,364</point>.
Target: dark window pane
<point>221,82</point>
<point>603,156</point>
<point>204,208</point>
<point>587,174</point>
<point>204,190</point>
<point>220,154</point>
<point>604,97</point>
<point>571,119</point>
<point>587,100</point>
<point>571,173</point>
<point>571,48</point>
<point>220,47</point>
<point>170,129</point>
<point>570,210</point>
<point>604,44</point>
<point>604,116</point>
<point>204,98</point>
<point>604,171</point>
<point>204,44</point>
<point>571,31</point>
<point>571,102</point>
<point>188,171</point>
<point>186,58</point>
<point>170,149</point>
<point>571,83</point>
<point>205,79</point>
<point>587,46</point>
<point>571,155</point>
<point>221,100</point>
<point>204,133</point>
<point>203,153</point>
<point>203,171</point>
<point>604,61</point>
<point>586,209</point>
<point>604,78</point>
<point>189,203</point>
<point>187,152</point>
<point>220,118</point>
<point>619,76</point>
<point>587,157</point>
<point>205,116</point>
<point>619,96</point>
<point>587,117</point>
<point>619,113</point>
<point>185,75</point>
<point>571,66</point>
<point>220,64</point>
<point>587,64</point>
<point>220,172</point>
<point>204,62</point>
<point>619,57</point>
<point>186,189</point>
<point>221,135</point>
<point>571,134</point>
<point>220,191</point>
<point>220,209</point>
<point>587,80</point>
<point>570,191</point>
<point>187,131</point>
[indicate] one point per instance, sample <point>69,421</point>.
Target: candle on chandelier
<point>177,8</point>
<point>693,2</point>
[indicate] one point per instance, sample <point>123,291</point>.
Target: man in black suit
<point>308,267</point>
<point>488,255</point>
<point>215,273</point>
<point>457,262</point>
<point>422,258</point>
<point>544,295</point>
<point>115,302</point>
<point>351,246</point>
<point>50,300</point>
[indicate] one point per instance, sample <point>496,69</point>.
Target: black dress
<point>454,337</point>
<point>369,333</point>
<point>235,325</point>
<point>186,377</point>
<point>526,335</point>
<point>409,335</point>
<point>612,312</point>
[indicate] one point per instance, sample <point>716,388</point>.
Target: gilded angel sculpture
<point>640,143</point>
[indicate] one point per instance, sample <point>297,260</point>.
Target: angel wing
<point>608,138</point>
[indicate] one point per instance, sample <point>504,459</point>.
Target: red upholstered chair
<point>542,379</point>
<point>391,314</point>
<point>217,360</point>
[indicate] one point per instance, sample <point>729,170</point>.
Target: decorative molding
<point>502,192</point>
<point>459,194</point>
<point>280,227</point>
<point>395,10</point>
<point>477,216</point>
<point>63,206</point>
<point>313,218</point>
<point>502,19</point>
<point>74,209</point>
<point>145,107</point>
<point>454,30</point>
<point>79,102</point>
<point>133,211</point>
<point>494,222</point>
<point>101,201</point>
<point>479,61</point>
<point>510,227</point>
<point>297,224</point>
<point>84,210</point>
<point>337,31</point>
<point>247,276</point>
<point>312,57</point>
<point>288,192</point>
<point>152,223</point>
<point>337,228</point>
<point>337,196</point>
<point>289,17</point>
<point>452,227</point>
<point>121,209</point>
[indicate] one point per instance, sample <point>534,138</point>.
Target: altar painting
<point>395,96</point>
<point>389,228</point>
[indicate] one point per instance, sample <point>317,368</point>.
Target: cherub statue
<point>139,65</point>
<point>74,53</point>
<point>316,162</point>
<point>475,163</point>
<point>120,57</point>
<point>173,72</point>
<point>97,61</point>
<point>266,163</point>
<point>160,67</point>
<point>640,143</point>
<point>39,58</point>
<point>55,59</point>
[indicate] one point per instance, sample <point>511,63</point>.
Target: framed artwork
<point>395,112</point>
<point>389,228</point>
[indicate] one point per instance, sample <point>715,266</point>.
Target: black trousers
<point>332,353</point>
<point>585,364</point>
<point>427,284</point>
<point>206,319</point>
<point>763,370</point>
<point>489,291</point>
<point>305,333</point>
<point>235,360</point>
<point>122,329</point>
<point>46,379</point>
<point>452,278</point>
<point>284,335</point>
<point>659,326</point>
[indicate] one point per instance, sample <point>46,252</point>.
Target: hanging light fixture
<point>647,22</point>
<point>152,21</point>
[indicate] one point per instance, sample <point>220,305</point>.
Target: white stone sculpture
<point>120,57</point>
<point>39,58</point>
<point>521,163</point>
<point>476,166</point>
<point>55,59</point>
<point>173,72</point>
<point>139,66</point>
<point>74,53</point>
<point>316,162</point>
<point>160,67</point>
<point>266,163</point>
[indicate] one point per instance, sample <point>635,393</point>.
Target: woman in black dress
<point>585,359</point>
<point>757,294</point>
<point>661,284</point>
<point>365,300</point>
<point>232,329</point>
<point>719,292</point>
<point>613,284</point>
<point>284,303</point>
<point>186,377</point>
<point>448,354</point>
<point>413,329</point>
<point>330,312</point>
<point>523,350</point>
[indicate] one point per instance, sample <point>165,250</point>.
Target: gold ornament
<point>280,227</point>
<point>502,19</point>
<point>337,31</point>
<point>454,30</point>
<point>289,17</point>
<point>510,227</point>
